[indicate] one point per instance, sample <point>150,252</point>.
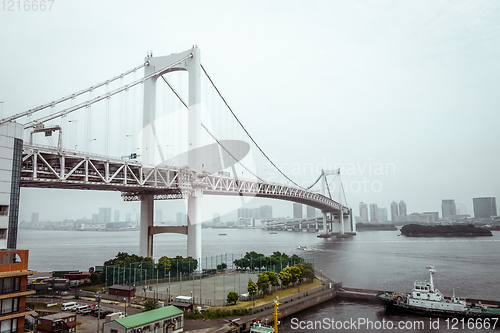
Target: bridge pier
<point>194,225</point>
<point>145,237</point>
<point>324,222</point>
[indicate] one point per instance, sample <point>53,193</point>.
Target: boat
<point>426,299</point>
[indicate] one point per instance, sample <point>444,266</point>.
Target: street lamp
<point>125,302</point>
<point>98,300</point>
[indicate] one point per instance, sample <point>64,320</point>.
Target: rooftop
<point>147,317</point>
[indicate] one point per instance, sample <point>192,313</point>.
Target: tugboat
<point>430,301</point>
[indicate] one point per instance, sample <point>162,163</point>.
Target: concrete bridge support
<point>145,237</point>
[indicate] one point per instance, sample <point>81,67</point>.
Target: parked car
<point>105,313</point>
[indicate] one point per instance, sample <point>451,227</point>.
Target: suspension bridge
<point>191,144</point>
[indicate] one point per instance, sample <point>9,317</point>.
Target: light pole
<point>98,300</point>
<point>125,302</point>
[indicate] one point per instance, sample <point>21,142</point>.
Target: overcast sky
<point>404,95</point>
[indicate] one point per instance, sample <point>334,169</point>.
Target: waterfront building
<point>266,212</point>
<point>11,149</point>
<point>435,216</point>
<point>57,323</point>
<point>402,208</point>
<point>158,215</point>
<point>13,290</point>
<point>297,210</point>
<point>117,216</point>
<point>383,215</point>
<point>363,212</point>
<point>311,212</point>
<point>484,208</point>
<point>374,213</point>
<point>104,215</point>
<point>166,319</point>
<point>394,211</point>
<point>448,208</point>
<point>34,218</point>
<point>244,213</point>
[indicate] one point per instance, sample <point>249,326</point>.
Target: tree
<point>285,276</point>
<point>252,289</point>
<point>221,266</point>
<point>149,304</point>
<point>263,282</point>
<point>163,264</point>
<point>232,297</point>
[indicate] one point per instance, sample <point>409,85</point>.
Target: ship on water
<point>426,299</point>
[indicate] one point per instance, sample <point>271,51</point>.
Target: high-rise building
<point>34,217</point>
<point>11,151</point>
<point>159,215</point>
<point>394,211</point>
<point>117,215</point>
<point>266,212</point>
<point>448,208</point>
<point>181,218</point>
<point>128,218</point>
<point>311,212</point>
<point>104,215</point>
<point>244,213</point>
<point>13,288</point>
<point>382,214</point>
<point>255,213</point>
<point>297,210</point>
<point>402,208</point>
<point>373,213</point>
<point>484,208</point>
<point>363,212</point>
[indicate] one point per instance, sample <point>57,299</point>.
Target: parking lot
<point>89,323</point>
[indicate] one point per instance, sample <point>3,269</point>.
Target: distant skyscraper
<point>373,213</point>
<point>297,210</point>
<point>128,218</point>
<point>363,211</point>
<point>34,217</point>
<point>244,213</point>
<point>394,211</point>
<point>158,215</point>
<point>402,208</point>
<point>383,214</point>
<point>449,208</point>
<point>95,218</point>
<point>117,216</point>
<point>311,212</point>
<point>104,215</point>
<point>266,212</point>
<point>485,207</point>
<point>181,218</point>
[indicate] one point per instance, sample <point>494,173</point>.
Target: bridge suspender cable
<point>53,103</point>
<point>244,129</point>
<point>99,98</point>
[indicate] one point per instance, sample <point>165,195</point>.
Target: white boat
<point>425,298</point>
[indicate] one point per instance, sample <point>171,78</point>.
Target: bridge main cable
<point>244,129</point>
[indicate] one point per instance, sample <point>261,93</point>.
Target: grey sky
<point>411,85</point>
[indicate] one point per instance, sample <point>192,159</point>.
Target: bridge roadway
<point>48,167</point>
